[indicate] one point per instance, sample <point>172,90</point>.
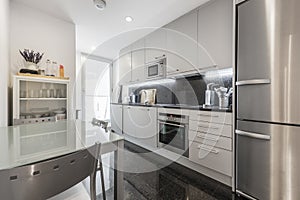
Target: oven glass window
<point>153,70</point>
<point>173,135</point>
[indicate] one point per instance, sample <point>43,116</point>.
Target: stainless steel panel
<point>268,169</point>
<point>268,48</point>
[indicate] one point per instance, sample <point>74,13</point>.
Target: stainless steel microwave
<point>156,69</point>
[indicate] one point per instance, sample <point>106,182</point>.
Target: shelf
<point>43,99</point>
<point>45,77</point>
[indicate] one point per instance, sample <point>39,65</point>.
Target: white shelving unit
<point>31,94</point>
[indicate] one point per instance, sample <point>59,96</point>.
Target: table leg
<point>93,185</point>
<point>118,172</point>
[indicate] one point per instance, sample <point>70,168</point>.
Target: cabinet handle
<point>160,57</point>
<point>253,82</point>
<point>207,149</point>
<point>214,128</point>
<point>209,67</point>
<point>206,115</point>
<point>181,126</point>
<point>207,138</point>
<point>253,135</point>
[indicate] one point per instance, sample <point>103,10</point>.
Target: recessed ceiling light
<point>128,19</point>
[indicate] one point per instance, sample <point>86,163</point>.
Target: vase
<point>31,66</point>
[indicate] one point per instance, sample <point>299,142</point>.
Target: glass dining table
<point>35,143</point>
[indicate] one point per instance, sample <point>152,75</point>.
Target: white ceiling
<point>103,28</point>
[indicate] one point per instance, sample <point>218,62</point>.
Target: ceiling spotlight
<point>100,4</point>
<point>128,19</point>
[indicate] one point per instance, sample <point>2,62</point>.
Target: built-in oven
<point>173,133</point>
<point>156,69</point>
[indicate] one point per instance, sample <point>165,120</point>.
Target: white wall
<point>38,31</point>
<point>4,60</point>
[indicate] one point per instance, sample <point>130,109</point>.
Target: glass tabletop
<point>27,144</point>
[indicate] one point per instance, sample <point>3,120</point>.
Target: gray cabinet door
<point>268,61</point>
<point>128,123</point>
<point>144,122</point>
<point>124,64</point>
<point>268,159</point>
<point>117,118</point>
<point>138,60</point>
<point>155,44</point>
<point>215,34</point>
<point>182,44</point>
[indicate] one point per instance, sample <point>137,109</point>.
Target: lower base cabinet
<point>211,157</point>
<point>116,118</point>
<point>140,124</point>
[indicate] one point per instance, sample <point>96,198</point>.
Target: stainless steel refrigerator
<point>268,99</point>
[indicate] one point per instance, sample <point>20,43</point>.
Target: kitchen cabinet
<point>182,44</point>
<point>155,45</point>
<point>138,61</point>
<point>115,82</point>
<point>215,34</point>
<point>39,99</point>
<point>124,65</point>
<point>116,118</point>
<point>210,138</point>
<point>211,157</point>
<point>140,124</point>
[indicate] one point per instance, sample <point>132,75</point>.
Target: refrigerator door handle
<point>253,135</point>
<point>253,82</point>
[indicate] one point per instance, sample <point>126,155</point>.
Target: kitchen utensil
<point>223,96</point>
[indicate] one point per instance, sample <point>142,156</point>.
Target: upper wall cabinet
<point>215,34</point>
<point>155,45</point>
<point>182,44</point>
<point>124,65</point>
<point>138,61</point>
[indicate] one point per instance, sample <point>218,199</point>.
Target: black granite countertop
<point>177,106</point>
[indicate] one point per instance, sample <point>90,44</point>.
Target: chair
<point>100,123</point>
<point>44,180</point>
<point>103,124</point>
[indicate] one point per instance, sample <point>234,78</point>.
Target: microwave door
<point>153,71</point>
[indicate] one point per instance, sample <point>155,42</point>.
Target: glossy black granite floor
<point>173,182</point>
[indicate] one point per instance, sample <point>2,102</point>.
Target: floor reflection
<point>173,182</point>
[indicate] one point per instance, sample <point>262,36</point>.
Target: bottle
<point>48,68</point>
<point>61,71</point>
<point>54,69</point>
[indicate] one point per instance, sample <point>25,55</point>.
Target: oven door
<point>173,136</point>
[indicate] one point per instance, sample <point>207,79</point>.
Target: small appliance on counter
<point>133,98</point>
<point>148,97</point>
<point>223,94</point>
<point>210,95</point>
